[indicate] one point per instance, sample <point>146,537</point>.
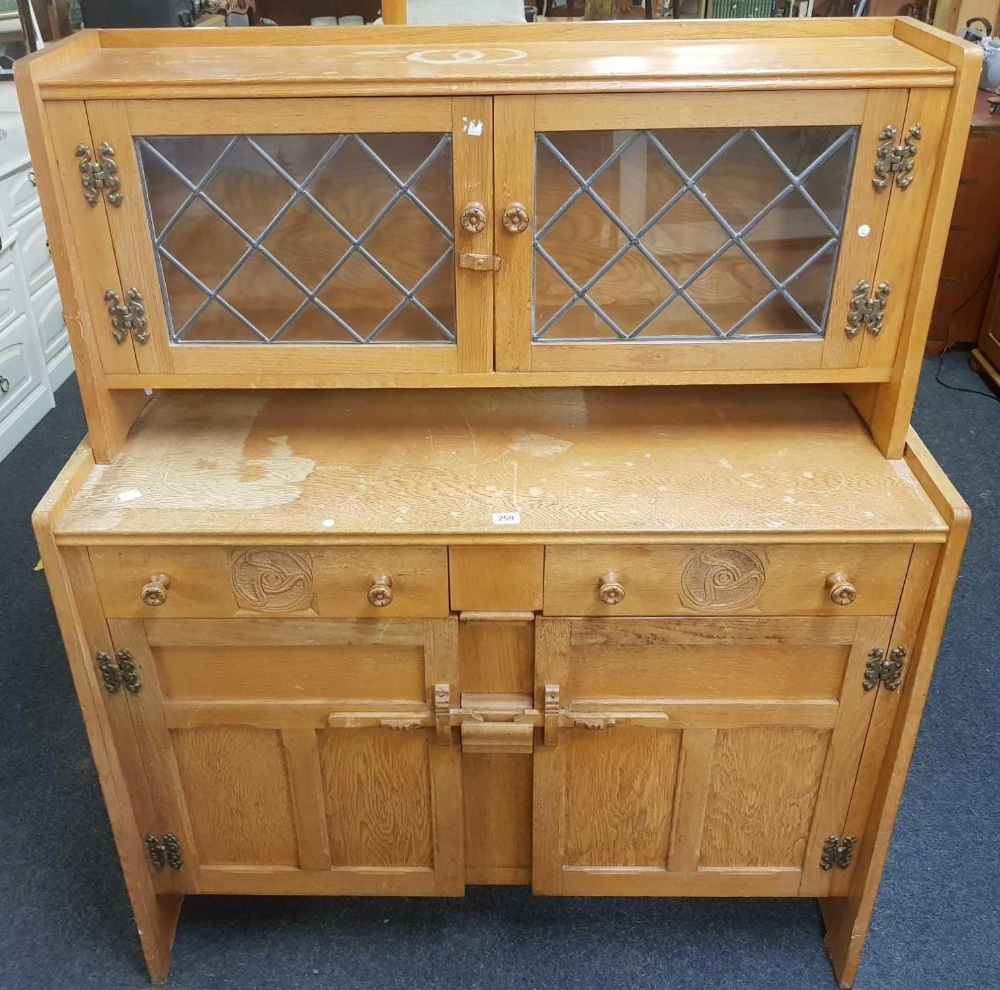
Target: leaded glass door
<point>304,237</point>
<point>686,231</point>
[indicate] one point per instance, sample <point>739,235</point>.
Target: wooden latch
<point>479,262</point>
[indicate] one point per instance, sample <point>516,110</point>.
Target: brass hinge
<point>165,853</point>
<point>893,159</point>
<point>128,317</point>
<point>885,670</point>
<point>479,262</point>
<point>837,853</point>
<point>99,173</point>
<point>118,671</point>
<point>865,311</point>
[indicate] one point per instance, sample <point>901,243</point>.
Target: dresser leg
<point>156,922</point>
<point>846,928</point>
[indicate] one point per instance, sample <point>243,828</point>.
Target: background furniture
<point>973,238</point>
<point>445,599</point>
<point>35,357</point>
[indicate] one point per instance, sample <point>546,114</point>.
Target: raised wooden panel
<point>225,582</point>
<point>620,796</point>
<point>701,580</point>
<point>378,797</point>
<point>497,657</point>
<point>236,785</point>
<point>497,789</point>
<point>762,795</point>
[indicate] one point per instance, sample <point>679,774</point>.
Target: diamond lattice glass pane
<point>693,233</point>
<point>302,238</point>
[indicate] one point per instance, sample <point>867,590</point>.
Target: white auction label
<point>506,518</point>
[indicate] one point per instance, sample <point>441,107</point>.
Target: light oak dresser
<point>499,467</point>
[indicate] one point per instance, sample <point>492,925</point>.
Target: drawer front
<point>18,195</point>
<point>34,246</point>
<point>47,307</point>
<point>10,292</point>
<point>226,582</point>
<point>20,368</point>
<point>714,579</point>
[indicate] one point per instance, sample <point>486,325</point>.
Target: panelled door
<point>698,755</point>
<point>298,755</point>
<point>286,237</point>
<point>704,231</point>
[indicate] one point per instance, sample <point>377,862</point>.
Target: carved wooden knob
<point>380,593</point>
<point>842,591</point>
<point>611,591</point>
<point>515,218</point>
<point>155,593</point>
<point>474,218</point>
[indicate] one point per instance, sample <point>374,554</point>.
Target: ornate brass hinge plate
<point>119,670</point>
<point>885,670</point>
<point>165,853</point>
<point>128,317</point>
<point>867,311</point>
<point>99,173</point>
<point>837,853</point>
<point>895,160</point>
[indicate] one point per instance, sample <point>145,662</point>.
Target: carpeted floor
<point>65,921</point>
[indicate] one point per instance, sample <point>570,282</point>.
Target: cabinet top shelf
<point>775,464</point>
<point>253,62</point>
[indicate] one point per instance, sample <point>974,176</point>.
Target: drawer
<point>11,303</point>
<point>712,579</point>
<point>21,369</point>
<point>47,307</point>
<point>18,195</point>
<point>32,242</point>
<point>227,582</point>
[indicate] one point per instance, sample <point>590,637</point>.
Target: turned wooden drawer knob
<point>474,218</point>
<point>610,590</point>
<point>515,218</point>
<point>380,593</point>
<point>842,591</point>
<point>155,593</point>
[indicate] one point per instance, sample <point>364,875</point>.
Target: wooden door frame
<point>519,118</point>
<point>154,720</point>
<point>681,874</point>
<point>468,120</point>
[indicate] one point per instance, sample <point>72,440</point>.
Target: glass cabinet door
<point>704,231</point>
<point>298,237</point>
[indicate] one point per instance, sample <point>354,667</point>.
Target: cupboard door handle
<point>380,593</point>
<point>474,218</point>
<point>4,385</point>
<point>610,590</point>
<point>154,594</point>
<point>516,218</point>
<point>842,591</point>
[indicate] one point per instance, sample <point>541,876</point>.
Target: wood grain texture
<point>495,578</point>
<point>236,784</point>
<point>619,796</point>
<point>378,796</point>
<point>847,918</point>
<point>226,582</point>
<point>306,789</point>
<point>497,657</point>
<point>110,414</point>
<point>498,809</point>
<point>241,467</point>
<point>655,60</point>
<point>762,795</point>
<point>123,784</point>
<point>694,776</point>
<point>695,580</point>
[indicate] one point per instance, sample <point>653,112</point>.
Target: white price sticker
<point>506,518</point>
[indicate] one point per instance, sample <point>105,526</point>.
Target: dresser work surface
<point>794,461</point>
<point>499,467</point>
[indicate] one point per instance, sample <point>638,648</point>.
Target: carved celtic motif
<point>273,579</point>
<point>722,578</point>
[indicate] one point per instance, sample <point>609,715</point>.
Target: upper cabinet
<point>575,204</point>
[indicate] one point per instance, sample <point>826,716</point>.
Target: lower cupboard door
<point>299,756</point>
<point>697,756</point>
